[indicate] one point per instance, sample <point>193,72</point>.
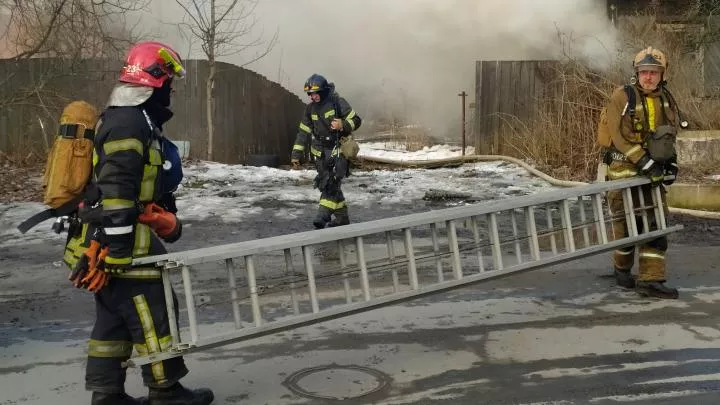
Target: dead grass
<point>561,138</point>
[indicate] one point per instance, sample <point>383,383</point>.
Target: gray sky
<point>410,57</point>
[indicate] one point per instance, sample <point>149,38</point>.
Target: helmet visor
<point>167,65</point>
<point>311,88</point>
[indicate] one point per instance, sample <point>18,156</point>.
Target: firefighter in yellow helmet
<point>636,113</point>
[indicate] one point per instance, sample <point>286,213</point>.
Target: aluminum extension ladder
<point>251,289</point>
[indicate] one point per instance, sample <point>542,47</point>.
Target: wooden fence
<point>506,96</point>
<point>253,116</point>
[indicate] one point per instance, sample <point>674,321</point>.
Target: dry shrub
<point>414,138</point>
<point>561,137</point>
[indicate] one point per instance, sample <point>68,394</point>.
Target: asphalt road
<point>560,335</point>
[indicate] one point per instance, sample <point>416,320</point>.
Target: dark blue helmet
<point>316,84</point>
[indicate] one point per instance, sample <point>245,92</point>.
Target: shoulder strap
<point>630,93</point>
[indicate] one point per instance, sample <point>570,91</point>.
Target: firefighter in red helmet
<point>132,173</point>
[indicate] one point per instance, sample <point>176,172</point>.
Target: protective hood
<point>129,95</point>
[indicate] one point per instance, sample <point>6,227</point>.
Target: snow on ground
<point>397,151</point>
<point>235,192</point>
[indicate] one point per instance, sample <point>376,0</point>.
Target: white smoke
<point>413,57</point>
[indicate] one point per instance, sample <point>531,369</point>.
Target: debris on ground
<point>434,194</point>
<point>21,182</point>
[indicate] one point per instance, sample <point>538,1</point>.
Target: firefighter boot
<point>624,278</point>
<point>322,217</point>
<point>179,395</point>
<point>656,289</point>
<point>102,398</point>
<point>341,217</point>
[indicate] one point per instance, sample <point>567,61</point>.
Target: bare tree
<point>223,28</point>
<point>56,38</point>
<point>64,28</point>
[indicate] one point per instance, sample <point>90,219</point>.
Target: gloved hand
<point>650,168</point>
<point>167,201</point>
<point>671,171</point>
<point>92,271</point>
<point>336,124</point>
<point>165,224</point>
<point>295,163</point>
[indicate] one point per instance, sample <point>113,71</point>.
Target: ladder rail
<point>463,243</point>
<point>391,299</point>
<point>247,248</point>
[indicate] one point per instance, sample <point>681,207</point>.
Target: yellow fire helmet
<point>650,59</point>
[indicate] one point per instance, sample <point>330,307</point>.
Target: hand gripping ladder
<point>250,289</point>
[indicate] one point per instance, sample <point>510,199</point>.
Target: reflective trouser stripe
<point>110,349</point>
<point>151,339</point>
<point>332,204</point>
<point>139,274</point>
<point>165,343</point>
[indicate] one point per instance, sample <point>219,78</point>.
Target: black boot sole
<point>650,292</point>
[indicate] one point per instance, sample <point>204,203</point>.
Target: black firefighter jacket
<point>127,167</point>
<point>316,121</point>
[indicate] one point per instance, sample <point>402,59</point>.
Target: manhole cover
<point>337,382</point>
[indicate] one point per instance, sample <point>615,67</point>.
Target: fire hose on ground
<point>436,163</point>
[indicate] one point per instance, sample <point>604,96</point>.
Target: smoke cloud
<point>411,58</point>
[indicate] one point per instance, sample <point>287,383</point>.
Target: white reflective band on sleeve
<point>120,230</point>
<point>648,164</point>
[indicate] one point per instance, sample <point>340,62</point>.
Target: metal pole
<point>436,251</point>
<point>233,291</point>
<point>410,254</point>
<point>600,218</point>
<point>660,216</point>
<point>391,259</point>
<point>343,268</point>
<point>476,237</point>
<point>454,249</point>
<point>518,251</point>
<point>190,303</point>
<point>463,95</point>
<point>583,219</point>
<point>252,284</point>
<point>567,226</point>
<point>307,256</point>
<point>293,287</point>
<point>532,232</point>
<point>364,277</point>
<point>170,304</point>
<point>551,228</point>
<point>495,240</point>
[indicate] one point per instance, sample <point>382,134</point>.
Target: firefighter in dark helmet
<point>326,126</point>
<point>135,171</point>
<point>633,152</point>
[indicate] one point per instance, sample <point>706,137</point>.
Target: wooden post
<point>463,95</point>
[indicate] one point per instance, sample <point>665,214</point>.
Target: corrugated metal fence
<point>253,116</point>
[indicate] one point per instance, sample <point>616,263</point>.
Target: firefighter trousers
<point>131,313</point>
<point>652,253</point>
